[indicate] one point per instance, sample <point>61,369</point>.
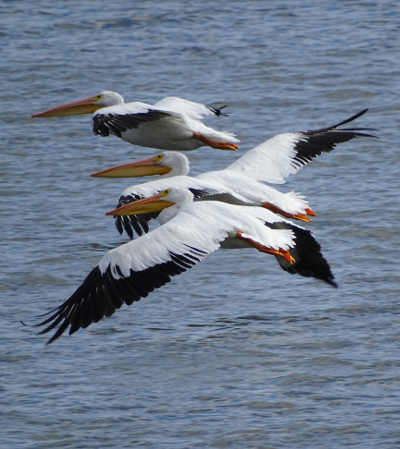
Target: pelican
<point>272,161</point>
<point>170,124</point>
<point>191,232</point>
<point>240,188</point>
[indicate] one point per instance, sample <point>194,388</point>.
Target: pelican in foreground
<point>170,124</point>
<point>192,231</point>
<point>272,161</point>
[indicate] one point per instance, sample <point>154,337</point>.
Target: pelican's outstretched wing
<point>285,154</point>
<point>130,272</point>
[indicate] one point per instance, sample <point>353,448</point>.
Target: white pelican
<point>192,231</point>
<point>170,124</point>
<point>289,205</point>
<point>272,161</point>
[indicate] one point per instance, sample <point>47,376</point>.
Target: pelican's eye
<point>97,98</point>
<point>165,193</point>
<point>158,158</point>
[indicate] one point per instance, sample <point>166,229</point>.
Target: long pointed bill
<point>147,167</point>
<point>152,204</point>
<point>85,106</point>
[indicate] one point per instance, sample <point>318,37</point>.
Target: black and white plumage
<point>272,161</point>
<point>285,154</point>
<point>131,271</point>
<point>172,123</point>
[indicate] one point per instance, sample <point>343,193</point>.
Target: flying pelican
<point>170,124</point>
<point>241,189</point>
<point>271,161</point>
<point>191,232</point>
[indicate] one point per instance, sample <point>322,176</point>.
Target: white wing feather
<point>176,236</point>
<point>271,161</point>
<point>204,227</point>
<point>179,105</point>
<point>134,107</point>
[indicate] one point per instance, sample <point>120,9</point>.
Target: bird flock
<point>231,208</point>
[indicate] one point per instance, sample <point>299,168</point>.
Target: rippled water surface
<point>234,353</point>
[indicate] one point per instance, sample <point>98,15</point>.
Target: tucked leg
<point>219,145</point>
<point>310,212</point>
<point>279,211</point>
<point>266,249</point>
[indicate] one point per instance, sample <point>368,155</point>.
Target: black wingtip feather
<point>101,293</point>
<point>309,261</point>
<point>127,226</point>
<point>133,223</point>
<point>216,108</point>
<point>313,144</point>
<point>353,117</point>
<point>333,127</point>
<point>118,224</point>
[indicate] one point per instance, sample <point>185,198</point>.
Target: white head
<point>109,98</point>
<point>177,195</point>
<point>173,198</point>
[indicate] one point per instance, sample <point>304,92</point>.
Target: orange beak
<point>152,204</point>
<point>85,106</point>
<point>146,167</point>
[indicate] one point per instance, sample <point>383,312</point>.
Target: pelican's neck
<point>168,213</point>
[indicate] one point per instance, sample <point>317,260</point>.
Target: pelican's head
<point>156,203</point>
<point>85,106</point>
<point>170,163</point>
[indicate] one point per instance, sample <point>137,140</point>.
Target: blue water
<point>234,353</point>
